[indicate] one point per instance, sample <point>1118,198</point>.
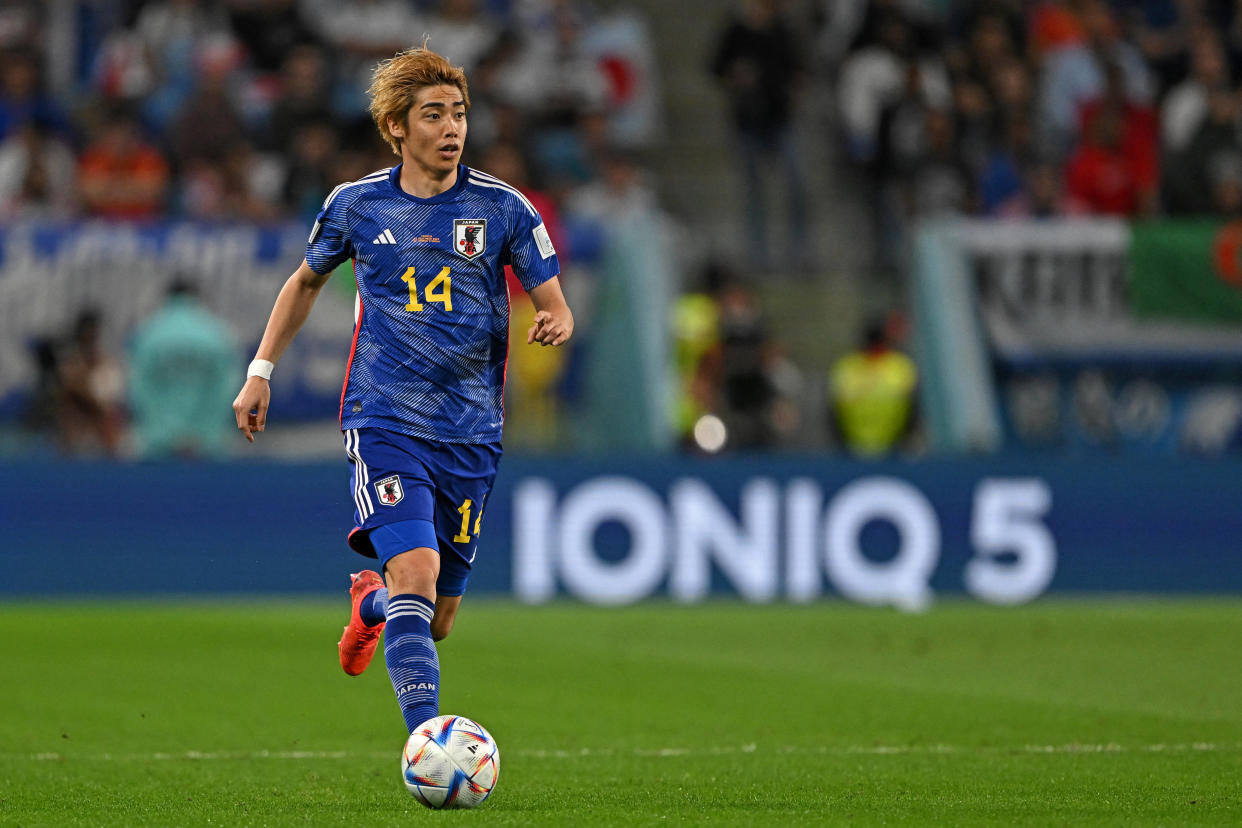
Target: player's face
<point>434,132</point>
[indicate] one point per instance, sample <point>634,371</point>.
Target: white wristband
<point>260,368</point>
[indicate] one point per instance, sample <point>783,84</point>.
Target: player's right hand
<point>250,407</point>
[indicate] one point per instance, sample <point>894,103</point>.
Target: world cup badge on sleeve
<point>389,490</point>
<point>470,237</point>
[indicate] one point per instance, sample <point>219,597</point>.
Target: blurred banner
<point>1090,335</point>
<point>51,272</point>
<point>615,532</point>
<point>1190,270</point>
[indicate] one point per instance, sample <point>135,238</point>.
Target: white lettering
<point>534,579</point>
<point>803,505</point>
<point>1007,522</point>
<point>636,507</point>
<point>704,531</point>
<point>695,534</point>
<point>901,582</point>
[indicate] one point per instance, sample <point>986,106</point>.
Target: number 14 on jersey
<point>440,289</point>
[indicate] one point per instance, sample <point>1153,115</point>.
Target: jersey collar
<point>394,178</point>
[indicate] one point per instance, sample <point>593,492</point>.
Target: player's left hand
<point>550,328</point>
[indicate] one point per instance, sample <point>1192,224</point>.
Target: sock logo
<point>421,685</point>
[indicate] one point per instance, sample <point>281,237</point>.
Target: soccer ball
<point>450,762</point>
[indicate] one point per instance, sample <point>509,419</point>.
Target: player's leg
<point>395,506</point>
<point>464,476</point>
<point>379,497</point>
<point>446,614</point>
<point>409,650</point>
<point>368,599</point>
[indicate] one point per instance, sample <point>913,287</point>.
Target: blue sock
<point>411,656</point>
<point>374,607</point>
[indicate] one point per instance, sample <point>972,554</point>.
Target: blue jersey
<point>432,323</point>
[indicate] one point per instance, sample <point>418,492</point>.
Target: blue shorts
<point>424,493</point>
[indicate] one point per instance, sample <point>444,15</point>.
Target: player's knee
<point>413,573</point>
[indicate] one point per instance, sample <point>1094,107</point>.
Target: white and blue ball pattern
<point>450,762</point>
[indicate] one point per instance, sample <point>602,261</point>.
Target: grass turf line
<point>1074,713</point>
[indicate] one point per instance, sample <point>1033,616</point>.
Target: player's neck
<point>421,182</point>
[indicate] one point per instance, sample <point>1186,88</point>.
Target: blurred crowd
<point>253,111</point>
<point>1053,108</point>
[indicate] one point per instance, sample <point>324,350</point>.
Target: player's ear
<point>396,128</point>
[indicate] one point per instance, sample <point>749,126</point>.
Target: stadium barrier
<point>1097,335</point>
<point>615,532</point>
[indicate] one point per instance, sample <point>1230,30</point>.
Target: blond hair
<point>396,83</point>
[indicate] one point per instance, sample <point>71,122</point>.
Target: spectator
<point>36,175</point>
<point>42,411</point>
<point>902,132</point>
<point>1204,169</point>
<point>310,174</point>
<point>1102,175</point>
<point>178,38</point>
<point>120,174</point>
<point>1162,30</point>
<point>941,182</point>
<point>974,121</point>
<point>1041,194</point>
<point>1000,181</point>
<point>1186,105</point>
<point>570,98</point>
<point>757,61</point>
<point>696,341</point>
<point>1010,86</point>
<point>90,417</point>
<point>271,29</point>
<point>620,191</point>
<point>209,124</point>
<point>874,75</point>
<point>22,98</point>
<point>183,362</point>
<point>747,389</point>
<point>901,143</point>
<point>1074,74</point>
<point>303,98</point>
<point>238,185</point>
<point>1138,137</point>
<point>462,32</point>
<point>361,33</point>
<point>872,394</point>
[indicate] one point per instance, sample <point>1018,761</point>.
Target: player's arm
<point>554,322</point>
<point>293,305</point>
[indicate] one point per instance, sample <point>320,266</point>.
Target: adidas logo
<point>384,238</point>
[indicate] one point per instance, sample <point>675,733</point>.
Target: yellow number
<point>464,510</point>
<point>413,304</point>
<point>440,290</point>
<point>478,520</point>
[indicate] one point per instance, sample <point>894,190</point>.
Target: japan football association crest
<point>470,237</point>
<point>389,490</point>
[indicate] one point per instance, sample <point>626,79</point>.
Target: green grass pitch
<point>1107,712</point>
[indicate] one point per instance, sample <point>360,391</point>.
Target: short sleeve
<point>329,244</point>
<point>530,247</point>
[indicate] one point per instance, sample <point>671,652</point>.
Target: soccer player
<point>421,408</point>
